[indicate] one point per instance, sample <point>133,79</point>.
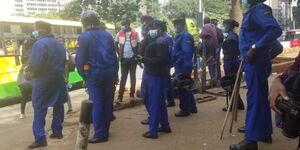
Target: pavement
<point>199,131</point>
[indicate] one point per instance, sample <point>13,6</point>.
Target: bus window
<point>2,52</point>
<point>56,30</point>
<point>79,30</point>
<point>27,28</point>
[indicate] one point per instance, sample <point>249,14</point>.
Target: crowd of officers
<point>97,61</point>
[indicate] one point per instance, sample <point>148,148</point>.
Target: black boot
<point>56,136</point>
<point>37,145</point>
<point>266,139</point>
<point>244,145</point>
<point>145,122</point>
<point>98,140</point>
<point>181,114</point>
<point>242,129</point>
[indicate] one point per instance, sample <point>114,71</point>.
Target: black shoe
<point>244,145</point>
<point>242,129</point>
<point>147,135</point>
<point>145,122</point>
<point>194,111</point>
<point>167,130</point>
<point>242,107</point>
<point>56,136</point>
<point>119,102</point>
<point>170,104</point>
<point>37,145</point>
<point>181,114</point>
<point>113,118</point>
<point>70,111</point>
<point>225,109</point>
<point>266,139</point>
<point>239,108</point>
<point>98,140</point>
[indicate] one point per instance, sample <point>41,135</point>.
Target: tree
<point>236,11</point>
<point>216,9</point>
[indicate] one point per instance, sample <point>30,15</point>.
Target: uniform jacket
<point>169,40</point>
<point>259,27</point>
<point>96,49</point>
<point>182,52</point>
<point>231,47</point>
<point>47,64</point>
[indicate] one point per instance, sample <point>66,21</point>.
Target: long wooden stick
<point>231,99</point>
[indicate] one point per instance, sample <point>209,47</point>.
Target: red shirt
<point>295,67</point>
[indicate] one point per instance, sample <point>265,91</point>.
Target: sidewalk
<point>197,132</point>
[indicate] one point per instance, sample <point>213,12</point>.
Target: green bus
<point>13,31</point>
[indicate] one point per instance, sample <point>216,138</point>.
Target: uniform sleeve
<point>37,58</point>
<point>295,67</point>
<point>187,47</point>
<point>264,18</point>
<point>81,55</point>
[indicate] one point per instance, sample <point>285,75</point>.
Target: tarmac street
<point>199,131</point>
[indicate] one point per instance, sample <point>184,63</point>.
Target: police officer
<point>155,83</point>
<point>183,61</point>
<point>258,31</point>
<point>97,63</point>
<point>46,64</point>
<point>231,53</point>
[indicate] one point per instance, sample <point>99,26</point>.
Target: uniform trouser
<point>213,67</point>
<point>258,118</point>
<point>170,92</point>
<point>38,125</point>
<point>154,93</point>
<point>100,89</point>
<point>26,96</point>
<point>231,68</point>
<point>126,67</point>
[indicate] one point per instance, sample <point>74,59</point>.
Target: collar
<point>46,35</point>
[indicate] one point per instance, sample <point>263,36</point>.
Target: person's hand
<point>251,54</point>
<point>277,89</point>
<point>116,81</point>
<point>139,57</point>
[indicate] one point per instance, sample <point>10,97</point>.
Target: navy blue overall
<point>259,27</point>
<point>155,83</point>
<point>47,64</point>
<point>231,61</point>
<point>182,54</point>
<point>97,49</point>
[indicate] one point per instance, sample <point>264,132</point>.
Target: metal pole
<point>84,125</point>
<point>200,5</point>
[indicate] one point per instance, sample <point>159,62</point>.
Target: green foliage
<point>216,9</point>
<point>72,10</point>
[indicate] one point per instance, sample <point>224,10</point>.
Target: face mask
<point>123,28</point>
<point>245,4</point>
<point>153,33</point>
<point>225,30</point>
<point>177,31</point>
<point>36,34</point>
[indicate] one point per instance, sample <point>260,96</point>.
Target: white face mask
<point>153,33</point>
<point>36,34</point>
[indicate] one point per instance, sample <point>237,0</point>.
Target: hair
<point>43,25</point>
<point>159,24</point>
<point>214,21</point>
<point>206,20</point>
<point>125,22</point>
<point>147,18</point>
<point>231,22</point>
<point>60,37</point>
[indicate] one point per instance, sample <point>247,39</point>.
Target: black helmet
<point>90,19</point>
<point>182,81</point>
<point>227,82</point>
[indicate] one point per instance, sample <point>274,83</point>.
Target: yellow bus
<point>13,31</point>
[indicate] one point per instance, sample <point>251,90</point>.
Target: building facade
<point>33,7</point>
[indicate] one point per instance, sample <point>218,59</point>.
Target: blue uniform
<point>259,27</point>
<point>231,61</point>
<point>97,49</point>
<point>47,65</point>
<point>155,83</point>
<point>170,94</point>
<point>182,54</point>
